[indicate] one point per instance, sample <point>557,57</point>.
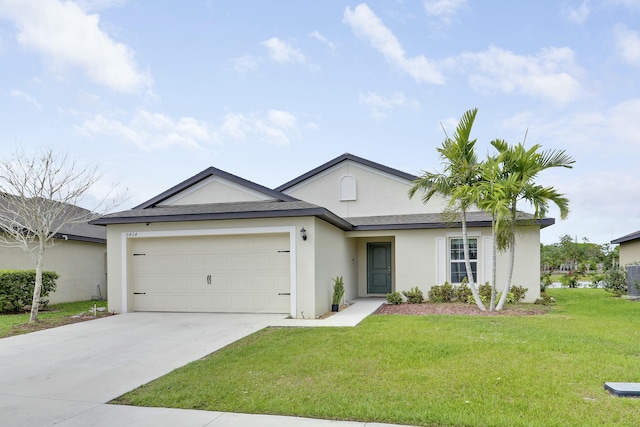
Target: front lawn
<point>546,370</point>
<point>53,316</point>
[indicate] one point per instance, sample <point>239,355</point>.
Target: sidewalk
<point>359,309</point>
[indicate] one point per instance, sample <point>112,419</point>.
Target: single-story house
<point>217,242</point>
<point>629,248</point>
<point>79,257</point>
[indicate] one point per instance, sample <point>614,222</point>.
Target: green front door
<point>378,268</point>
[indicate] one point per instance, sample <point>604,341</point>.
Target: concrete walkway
<point>64,376</point>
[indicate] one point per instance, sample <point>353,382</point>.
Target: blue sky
<point>156,91</point>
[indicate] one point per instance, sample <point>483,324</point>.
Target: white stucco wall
<point>372,186</point>
<point>215,190</point>
<point>81,266</point>
<point>334,256</point>
<point>414,260</point>
<point>629,252</point>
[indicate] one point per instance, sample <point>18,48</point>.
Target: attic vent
<point>347,188</point>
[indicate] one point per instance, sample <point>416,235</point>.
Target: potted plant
<point>338,293</point>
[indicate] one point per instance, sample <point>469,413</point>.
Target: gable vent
<point>347,188</point>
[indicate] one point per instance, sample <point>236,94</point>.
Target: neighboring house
<point>217,242</point>
<point>79,257</point>
<point>629,248</point>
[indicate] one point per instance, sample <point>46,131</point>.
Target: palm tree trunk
<point>512,256</point>
<point>492,305</point>
<point>467,263</point>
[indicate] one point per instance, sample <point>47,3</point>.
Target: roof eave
<point>544,222</point>
<point>321,213</point>
<point>76,238</point>
<point>211,171</point>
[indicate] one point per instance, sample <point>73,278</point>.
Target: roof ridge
<point>340,159</point>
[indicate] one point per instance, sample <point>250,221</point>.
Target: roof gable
<point>345,157</point>
<point>213,185</point>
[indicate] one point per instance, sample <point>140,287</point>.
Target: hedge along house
<point>79,258</point>
<point>219,243</point>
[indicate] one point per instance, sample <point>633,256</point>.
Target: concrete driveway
<point>50,376</point>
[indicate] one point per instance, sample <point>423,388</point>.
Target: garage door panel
<point>215,273</point>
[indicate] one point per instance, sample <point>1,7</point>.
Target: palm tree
<point>491,193</point>
<point>456,181</point>
<point>520,167</point>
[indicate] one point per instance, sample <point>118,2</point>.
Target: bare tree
<point>39,195</point>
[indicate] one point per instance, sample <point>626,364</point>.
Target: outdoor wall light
<point>303,233</point>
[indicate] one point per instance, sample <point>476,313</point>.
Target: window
<point>458,269</point>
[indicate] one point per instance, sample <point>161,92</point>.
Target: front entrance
<point>378,268</point>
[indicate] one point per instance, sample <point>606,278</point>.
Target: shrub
<point>442,293</point>
<point>16,288</point>
<point>615,281</point>
<point>414,296</point>
<point>545,299</point>
<point>519,292</point>
<point>485,293</point>
<point>463,294</point>
<point>545,281</point>
<point>394,298</point>
<point>570,280</point>
<point>338,291</point>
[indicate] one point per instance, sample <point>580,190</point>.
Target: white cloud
<point>578,14</point>
<point>443,9</point>
<point>586,132</point>
<point>632,4</point>
<point>70,38</point>
<point>316,35</point>
<point>380,105</point>
<point>282,52</point>
<point>26,97</point>
<point>551,74</point>
<point>149,130</point>
<point>277,127</point>
<point>245,64</point>
<point>368,26</point>
<point>236,126</point>
<point>627,43</point>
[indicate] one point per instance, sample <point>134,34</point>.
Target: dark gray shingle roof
<point>626,238</point>
<point>220,211</point>
<point>430,220</point>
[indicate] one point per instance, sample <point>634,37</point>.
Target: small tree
<point>457,181</point>
<point>38,197</point>
<point>521,166</point>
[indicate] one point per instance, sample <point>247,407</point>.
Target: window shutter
<point>487,259</point>
<point>441,260</point>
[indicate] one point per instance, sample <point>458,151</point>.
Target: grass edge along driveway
<point>51,317</point>
<point>546,370</point>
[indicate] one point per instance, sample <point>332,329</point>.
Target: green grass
<point>55,315</point>
<point>546,370</point>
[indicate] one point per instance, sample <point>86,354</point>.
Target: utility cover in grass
<point>623,389</point>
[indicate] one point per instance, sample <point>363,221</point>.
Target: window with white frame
<point>458,269</point>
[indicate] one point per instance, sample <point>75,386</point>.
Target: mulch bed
<point>460,309</point>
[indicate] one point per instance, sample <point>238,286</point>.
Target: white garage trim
<point>125,236</point>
